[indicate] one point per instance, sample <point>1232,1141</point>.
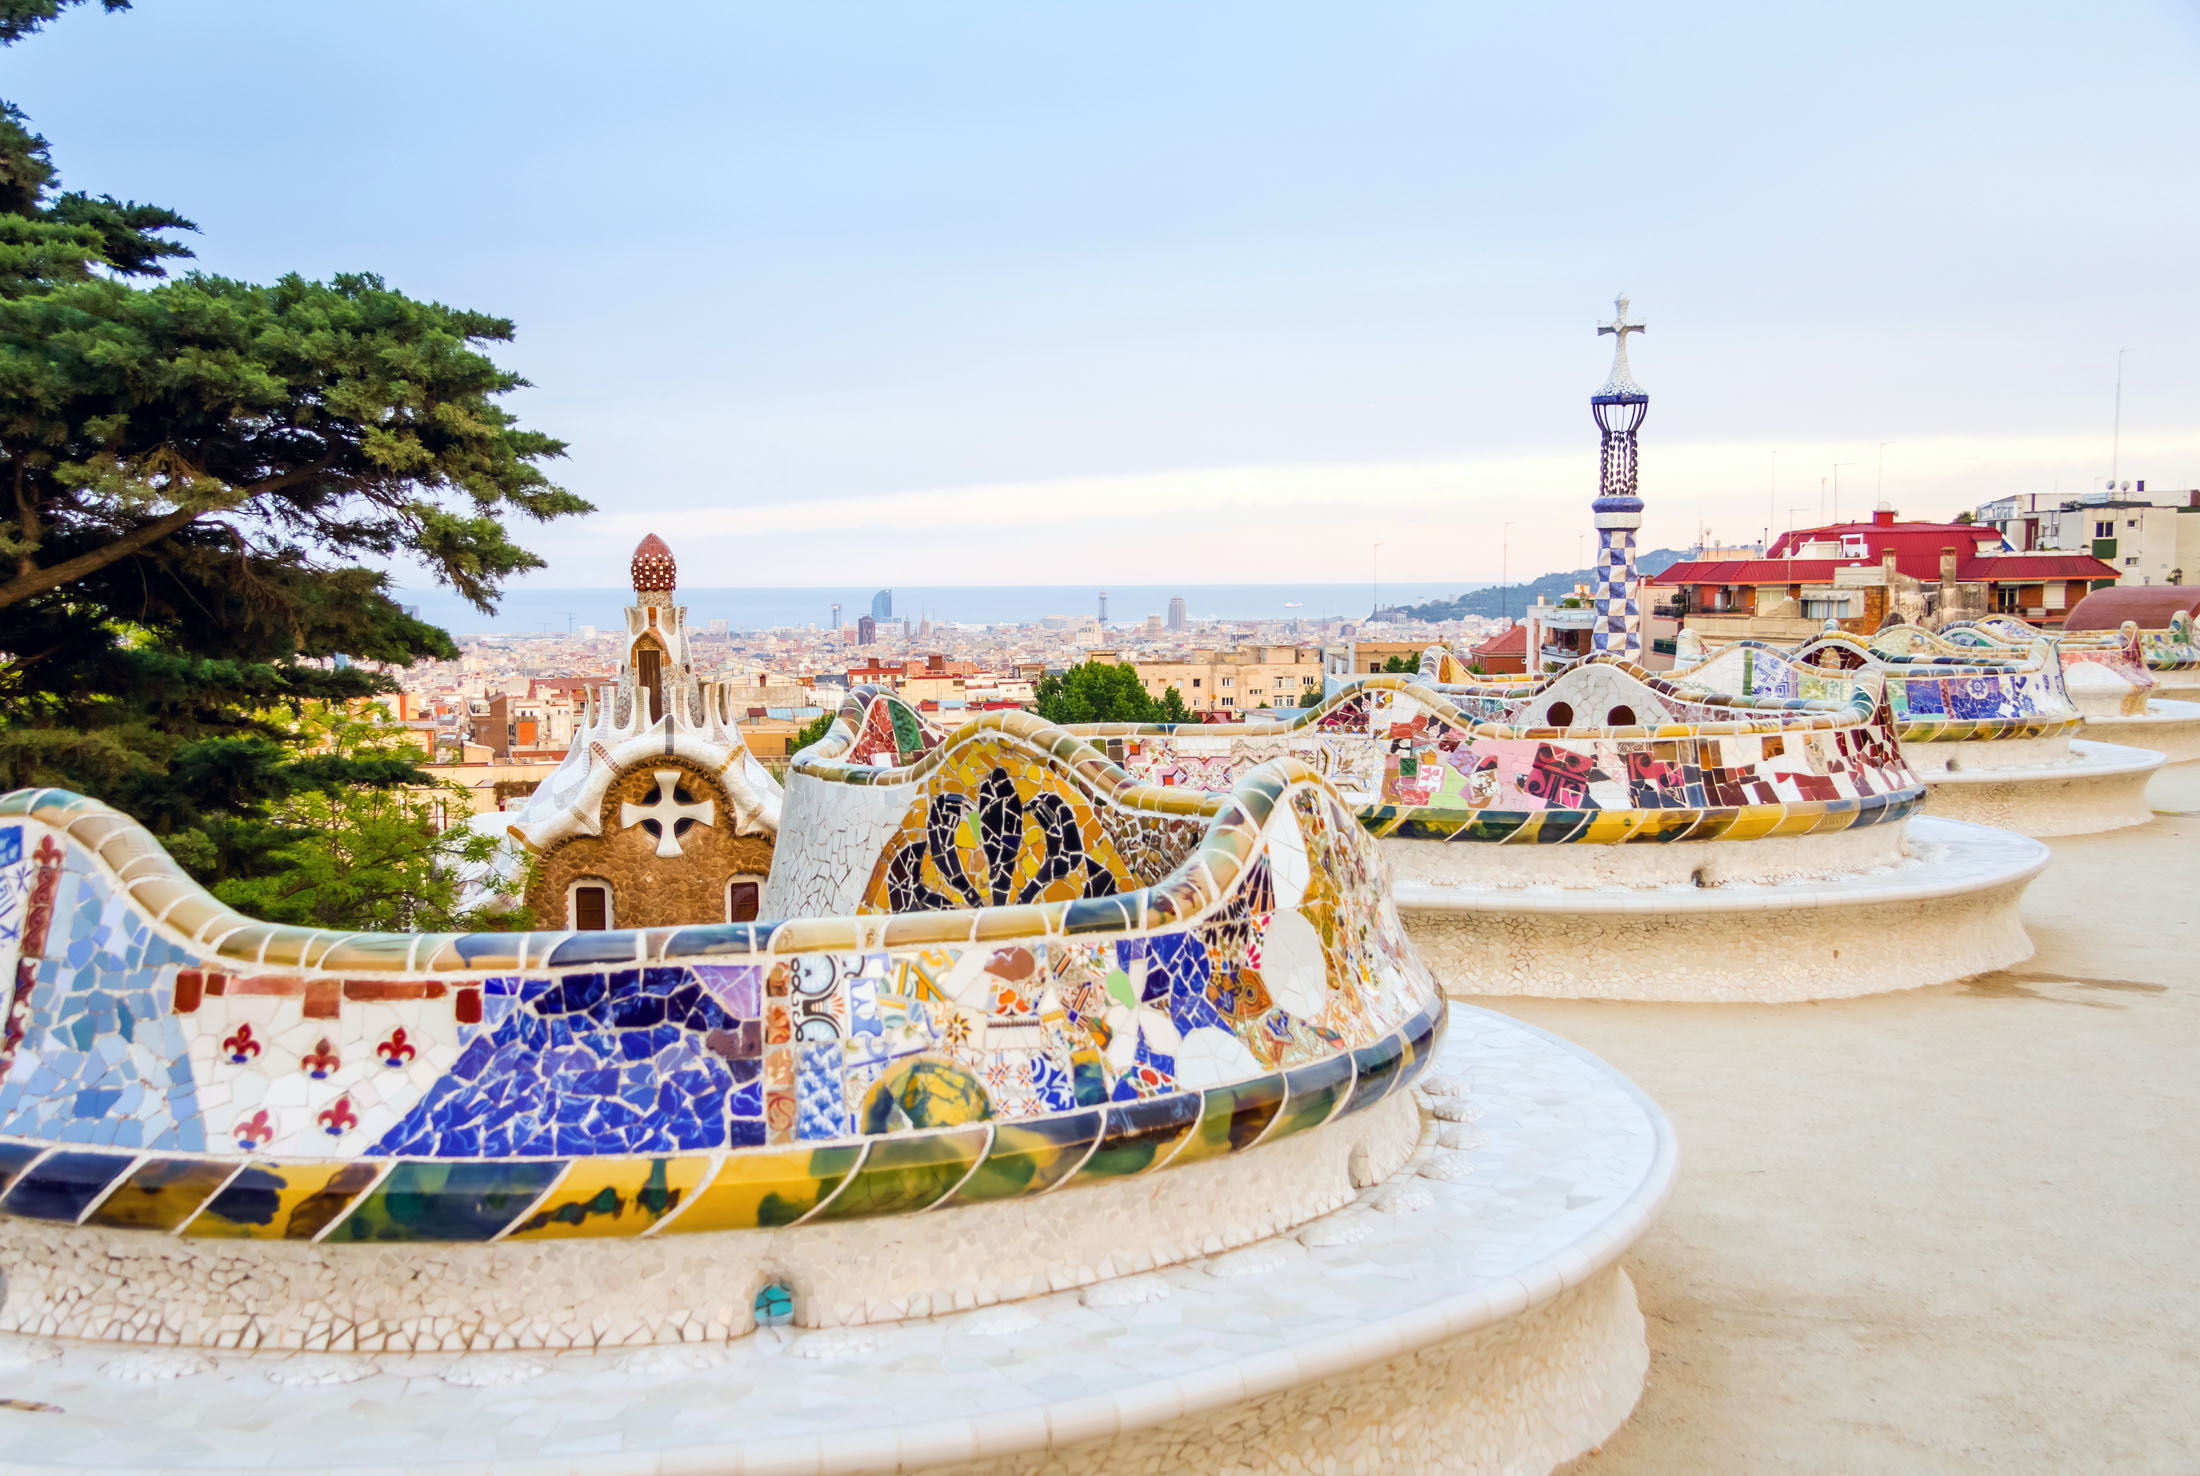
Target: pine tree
<point>192,472</point>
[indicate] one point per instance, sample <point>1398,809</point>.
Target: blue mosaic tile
<point>630,1061</point>
<point>820,1099</point>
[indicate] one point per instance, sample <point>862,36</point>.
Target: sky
<point>1028,294</point>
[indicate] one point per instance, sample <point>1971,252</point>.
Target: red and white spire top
<point>654,570</point>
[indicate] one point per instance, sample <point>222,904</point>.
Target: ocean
<point>531,611</point>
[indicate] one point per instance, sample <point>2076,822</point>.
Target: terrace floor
<point>1948,1230</point>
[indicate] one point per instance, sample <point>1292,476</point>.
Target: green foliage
<point>201,480</point>
<point>1099,693</point>
<point>18,18</point>
<point>360,837</point>
<point>810,732</point>
<point>1402,665</point>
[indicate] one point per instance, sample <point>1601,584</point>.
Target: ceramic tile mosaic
<point>1938,691</point>
<point>2103,661</point>
<point>1499,763</point>
<point>1566,1165</point>
<point>200,1072</point>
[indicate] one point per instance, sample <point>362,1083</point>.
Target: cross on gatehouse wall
<point>668,812</point>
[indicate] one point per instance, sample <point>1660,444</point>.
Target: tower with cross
<point>1619,408</point>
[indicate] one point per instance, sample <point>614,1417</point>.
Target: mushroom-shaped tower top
<point>654,571</point>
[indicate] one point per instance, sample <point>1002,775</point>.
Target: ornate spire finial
<point>1622,382</point>
<point>654,571</point>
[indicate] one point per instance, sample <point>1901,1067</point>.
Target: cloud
<point>1435,520</point>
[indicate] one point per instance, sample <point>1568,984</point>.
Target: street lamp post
<point>1504,572</point>
<point>2116,442</point>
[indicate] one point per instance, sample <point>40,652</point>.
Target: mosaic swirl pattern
<point>170,1065</point>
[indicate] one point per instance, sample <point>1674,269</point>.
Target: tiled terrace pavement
<point>1951,1230</point>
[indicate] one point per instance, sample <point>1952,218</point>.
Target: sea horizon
<point>558,610</point>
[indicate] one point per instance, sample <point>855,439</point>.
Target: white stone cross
<point>667,812</point>
<point>1622,380</point>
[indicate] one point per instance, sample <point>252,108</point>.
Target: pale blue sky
<point>919,293</point>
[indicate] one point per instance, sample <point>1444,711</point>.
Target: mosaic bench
<point>1174,1085</point>
<point>2112,677</point>
<point>1992,733</point>
<point>225,1132</point>
<point>1532,854</point>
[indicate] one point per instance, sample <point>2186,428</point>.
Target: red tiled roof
<point>2023,568</point>
<point>1903,538</point>
<point>1758,571</point>
<point>1511,641</point>
<point>1981,555</point>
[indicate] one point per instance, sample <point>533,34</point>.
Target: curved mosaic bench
<point>2111,676</point>
<point>2173,656</point>
<point>1630,862</point>
<point>1992,733</point>
<point>1472,1314</point>
<point>222,1132</point>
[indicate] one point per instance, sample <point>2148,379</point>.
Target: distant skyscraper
<point>1153,625</point>
<point>866,630</point>
<point>836,617</point>
<point>882,605</point>
<point>1103,607</point>
<point>1176,614</point>
<point>1619,408</point>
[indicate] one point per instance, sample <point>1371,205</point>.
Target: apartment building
<point>1233,682</point>
<point>2148,539</point>
<point>1857,574</point>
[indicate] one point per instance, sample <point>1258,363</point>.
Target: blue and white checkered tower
<point>1619,408</point>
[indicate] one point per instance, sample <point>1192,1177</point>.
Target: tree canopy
<point>203,482</point>
<point>1096,692</point>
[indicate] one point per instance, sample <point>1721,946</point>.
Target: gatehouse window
<point>743,894</point>
<point>588,906</point>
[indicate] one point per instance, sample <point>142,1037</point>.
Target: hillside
<point>1513,598</point>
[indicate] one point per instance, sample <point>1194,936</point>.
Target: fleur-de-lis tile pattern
<point>1116,975</point>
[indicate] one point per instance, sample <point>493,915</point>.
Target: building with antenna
<point>2148,537</point>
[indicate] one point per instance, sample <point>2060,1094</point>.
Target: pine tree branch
<point>38,581</point>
